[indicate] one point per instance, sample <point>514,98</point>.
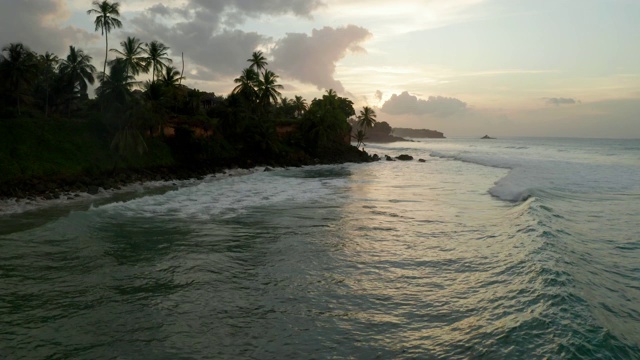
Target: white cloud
<point>435,105</point>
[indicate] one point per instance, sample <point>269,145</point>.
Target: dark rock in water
<point>487,137</point>
<point>389,158</point>
<point>422,160</point>
<point>405,157</point>
<point>268,169</point>
<point>375,157</point>
<point>93,190</point>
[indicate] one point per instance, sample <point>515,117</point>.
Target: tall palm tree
<point>268,88</point>
<point>48,62</point>
<point>367,118</point>
<point>77,72</point>
<point>300,105</point>
<point>258,61</point>
<point>106,20</point>
<point>132,55</point>
<point>157,57</point>
<point>116,87</point>
<point>18,70</point>
<point>247,83</point>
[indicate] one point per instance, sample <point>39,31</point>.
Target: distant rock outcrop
<point>487,137</point>
<point>405,157</point>
<point>418,133</point>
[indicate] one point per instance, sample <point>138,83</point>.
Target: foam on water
<point>227,197</point>
<point>17,206</point>
<point>544,169</point>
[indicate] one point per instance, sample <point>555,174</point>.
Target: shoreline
<point>30,194</point>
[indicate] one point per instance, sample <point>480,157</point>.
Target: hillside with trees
<point>51,129</point>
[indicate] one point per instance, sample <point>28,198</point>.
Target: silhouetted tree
<point>157,57</point>
<point>132,56</point>
<point>105,21</point>
<point>18,71</point>
<point>366,118</point>
<point>77,72</point>
<point>258,61</point>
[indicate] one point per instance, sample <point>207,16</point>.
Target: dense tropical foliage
<point>254,123</point>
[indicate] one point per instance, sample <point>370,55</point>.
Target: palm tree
<point>157,57</point>
<point>360,136</point>
<point>48,62</point>
<point>171,77</point>
<point>367,118</point>
<point>106,20</point>
<point>18,70</point>
<point>132,55</point>
<point>268,88</point>
<point>300,105</point>
<point>116,87</point>
<point>77,71</point>
<point>258,61</point>
<point>247,83</point>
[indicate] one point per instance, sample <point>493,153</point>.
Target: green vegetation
<point>51,128</point>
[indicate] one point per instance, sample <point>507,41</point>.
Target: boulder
<point>422,160</point>
<point>93,190</point>
<point>388,158</point>
<point>405,157</point>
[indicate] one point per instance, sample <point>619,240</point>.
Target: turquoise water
<point>502,249</point>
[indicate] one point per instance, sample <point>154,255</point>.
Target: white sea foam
<point>17,206</point>
<point>532,169</point>
<point>227,197</point>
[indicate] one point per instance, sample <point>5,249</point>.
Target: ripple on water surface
<point>357,261</point>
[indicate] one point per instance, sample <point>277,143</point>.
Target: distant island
<point>487,137</point>
<point>418,133</point>
<point>382,132</point>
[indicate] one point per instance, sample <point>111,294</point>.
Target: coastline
<point>29,194</point>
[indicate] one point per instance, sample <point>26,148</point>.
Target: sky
<point>566,68</point>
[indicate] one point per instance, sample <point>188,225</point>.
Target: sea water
<point>497,249</point>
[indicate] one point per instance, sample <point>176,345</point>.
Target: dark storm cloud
<point>406,104</point>
<point>312,59</point>
<point>36,23</point>
<point>560,101</point>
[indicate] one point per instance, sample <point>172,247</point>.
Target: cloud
<point>378,95</point>
<point>39,25</point>
<point>312,59</point>
<point>435,105</point>
<point>207,31</point>
<point>560,101</point>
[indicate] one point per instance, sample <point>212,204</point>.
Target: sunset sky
<point>464,67</point>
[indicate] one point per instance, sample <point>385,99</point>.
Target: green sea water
<point>517,249</point>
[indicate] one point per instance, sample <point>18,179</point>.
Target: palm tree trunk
<point>106,51</point>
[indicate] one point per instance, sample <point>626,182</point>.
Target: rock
<point>422,160</point>
<point>405,157</point>
<point>375,157</point>
<point>388,158</point>
<point>268,169</point>
<point>93,190</point>
<point>487,137</point>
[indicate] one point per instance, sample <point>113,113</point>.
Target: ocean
<point>519,248</point>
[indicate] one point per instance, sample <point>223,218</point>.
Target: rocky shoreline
<point>70,187</point>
